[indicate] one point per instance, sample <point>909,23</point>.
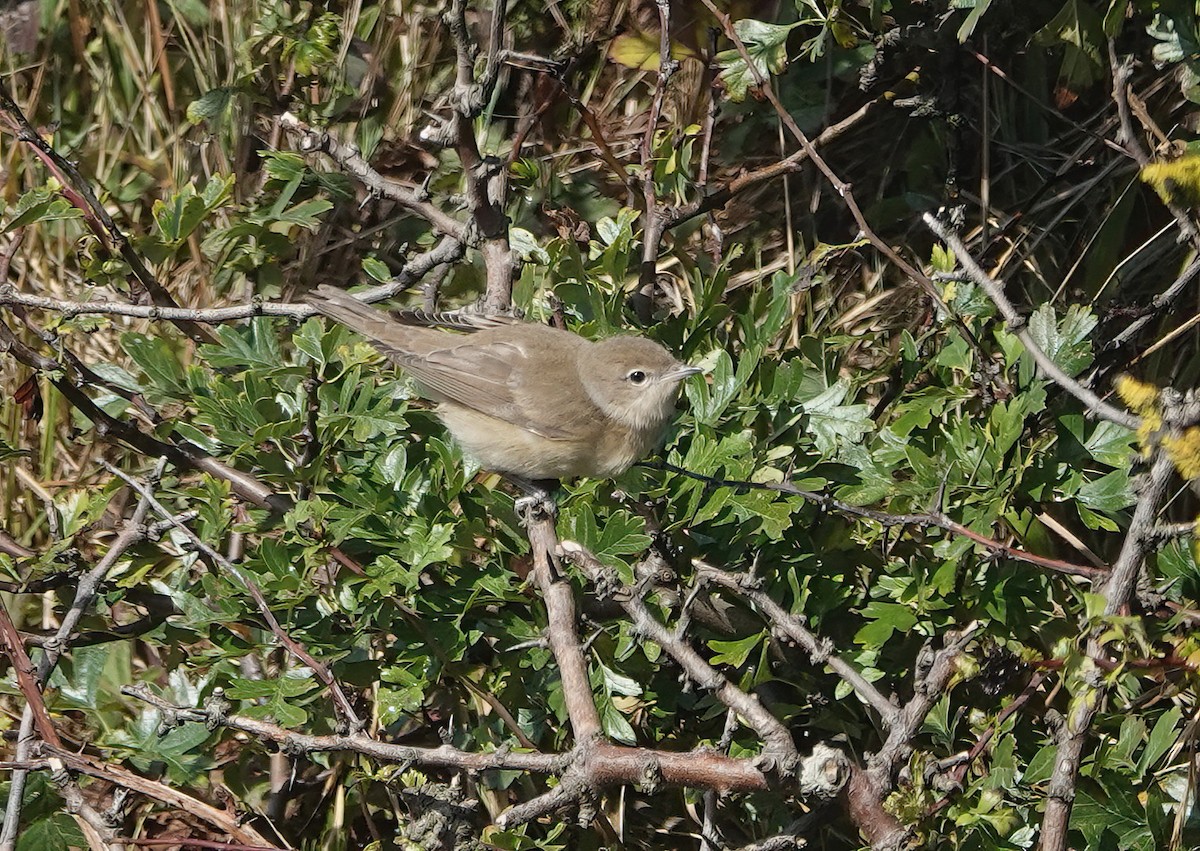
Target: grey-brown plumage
<point>530,400</point>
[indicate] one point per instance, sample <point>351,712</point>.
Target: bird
<point>529,401</point>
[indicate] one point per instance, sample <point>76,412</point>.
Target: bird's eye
<point>637,377</point>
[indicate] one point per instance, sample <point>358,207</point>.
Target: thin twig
<point>79,192</point>
<point>1094,405</point>
<point>793,626</point>
<point>652,218</point>
<point>841,187</point>
<point>778,740</point>
<point>350,160</point>
<point>927,519</point>
<point>225,822</point>
<point>35,713</point>
<point>345,711</point>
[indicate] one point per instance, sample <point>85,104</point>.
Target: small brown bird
<point>529,400</point>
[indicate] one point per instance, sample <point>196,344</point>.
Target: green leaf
<point>1162,737</point>
<point>615,724</point>
<point>1067,344</point>
<point>41,204</point>
<point>526,245</point>
<point>1099,810</point>
<point>55,832</point>
<point>615,683</point>
<point>766,45</point>
<point>377,269</point>
<point>886,619</point>
<point>735,652</point>
<point>1110,493</point>
<point>833,424</point>
<point>1079,29</point>
<point>157,360</point>
<point>212,104</point>
<point>254,345</point>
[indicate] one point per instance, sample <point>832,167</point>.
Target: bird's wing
<point>487,371</point>
<point>489,376</point>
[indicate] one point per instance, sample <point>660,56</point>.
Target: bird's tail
<point>345,308</point>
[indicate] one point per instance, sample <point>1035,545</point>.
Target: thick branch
<point>1072,732</point>
<point>562,633</point>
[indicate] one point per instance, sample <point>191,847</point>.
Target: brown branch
<point>562,634</point>
<point>35,713</point>
<point>780,748</point>
<point>593,124</point>
<point>841,187</point>
<point>601,763</point>
<point>80,194</point>
<point>447,250</point>
<point>962,764</point>
<point>1073,732</point>
<point>27,682</point>
<point>793,626</point>
<point>653,223</point>
<point>224,821</point>
<point>789,165</point>
<point>444,756</point>
<point>1121,73</point>
<point>486,179</point>
<point>934,519</point>
<point>869,787</point>
<point>351,161</point>
<point>181,453</point>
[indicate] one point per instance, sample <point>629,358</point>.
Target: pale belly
<point>606,449</point>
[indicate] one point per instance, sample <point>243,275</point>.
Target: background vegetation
<point>909,573</point>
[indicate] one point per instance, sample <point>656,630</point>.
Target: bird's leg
<point>537,499</point>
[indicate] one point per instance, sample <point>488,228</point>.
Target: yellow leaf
<point>1177,181</point>
<point>640,51</point>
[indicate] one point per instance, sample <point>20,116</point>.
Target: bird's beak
<point>682,371</point>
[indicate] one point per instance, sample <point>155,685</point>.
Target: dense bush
<point>907,570</point>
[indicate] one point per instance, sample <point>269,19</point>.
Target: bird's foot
<point>536,503</point>
<point>533,507</point>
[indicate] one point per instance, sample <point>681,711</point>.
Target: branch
<point>35,713</point>
<point>486,179</point>
<point>1072,732</point>
<point>789,165</point>
<point>869,787</point>
<point>653,222</point>
<point>225,822</point>
<point>80,194</point>
<point>350,159</point>
<point>562,634</point>
<point>793,626</point>
<point>214,713</point>
<point>181,453</point>
<point>448,250</point>
<point>602,764</point>
<point>1094,405</point>
<point>934,519</point>
<point>778,739</point>
<point>841,187</point>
